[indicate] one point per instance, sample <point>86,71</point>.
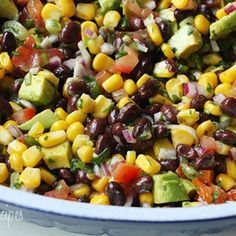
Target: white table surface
<point>22,228</point>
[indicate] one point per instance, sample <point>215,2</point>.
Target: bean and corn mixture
<point>128,103</point>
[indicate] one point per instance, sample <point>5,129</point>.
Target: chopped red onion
<point>117,139</point>
<point>34,70</point>
<point>91,34</point>
<point>141,46</point>
<point>15,131</point>
<point>26,104</point>
<point>129,200</point>
<point>230,8</point>
<point>200,150</point>
<point>150,4</point>
<point>107,48</point>
<point>117,95</point>
<point>84,53</point>
<point>158,116</point>
<point>70,63</point>
<point>232,153</point>
<point>97,171</point>
<point>190,89</point>
<point>55,60</point>
<point>167,154</point>
<point>105,169</point>
<point>214,46</point>
<point>219,98</point>
<point>149,20</point>
<point>128,136</point>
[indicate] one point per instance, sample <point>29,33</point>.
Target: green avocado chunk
<point>58,157</point>
<point>223,26</point>
<point>185,41</point>
<point>46,118</point>
<point>37,90</point>
<point>8,9</point>
<point>168,188</point>
<point>189,186</point>
<point>108,5</point>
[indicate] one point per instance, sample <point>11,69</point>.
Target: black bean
<point>136,23</point>
<point>183,150</point>
<point>120,149</point>
<point>104,141</point>
<point>160,130</point>
<point>113,116</point>
<point>205,10</point>
<point>116,130</point>
<point>43,188</point>
<point>2,158</point>
<point>152,109</point>
<point>8,42</point>
<point>229,106</point>
<point>18,73</point>
<point>204,163</point>
<point>169,165</point>
<point>62,103</point>
<point>198,102</point>
<point>138,100</point>
<point>142,146</point>
<point>77,87</point>
<point>142,126</point>
<point>170,113</point>
<point>67,51</point>
<point>70,33</point>
<point>165,29</point>
<point>16,85</point>
<point>67,175</point>
<point>72,103</point>
<point>181,15</point>
<point>5,108</point>
<point>220,166</point>
<point>145,66</point>
<point>8,164</point>
<point>116,194</point>
<point>142,184</point>
<point>84,199</point>
<point>81,177</point>
<point>225,136</point>
<point>129,112</point>
<point>24,16</point>
<point>96,127</point>
<point>204,117</point>
<point>149,89</point>
<point>212,3</point>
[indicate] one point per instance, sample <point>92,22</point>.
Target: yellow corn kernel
<point>148,164</point>
<point>47,176</point>
<point>130,157</point>
<point>74,129</point>
<point>76,116</point>
<point>36,130</point>
<point>85,153</point>
<point>65,20</point>
<point>9,123</point>
<point>161,144</point>
<point>225,89</point>
<point>111,19</point>
<point>4,173</point>
<point>88,25</point>
<point>229,75</point>
<point>222,149</point>
<point>155,34</point>
<point>100,184</point>
<point>231,168</point>
<point>15,107</point>
<point>49,76</point>
<point>220,13</point>
<point>67,7</point>
<point>113,83</point>
<point>80,141</point>
<point>102,106</point>
<point>212,108</point>
<point>188,117</point>
<point>59,125</point>
<point>124,101</point>
<point>206,128</point>
<point>225,181</point>
<point>100,199</point>
<point>142,80</point>
<point>202,24</point>
<point>81,190</point>
<point>16,162</point>
<point>86,11</point>
<point>51,11</point>
<point>212,59</point>
<point>5,62</point>
<point>2,73</point>
<point>102,62</point>
<point>86,103</point>
<point>160,99</point>
<point>16,147</point>
<point>99,18</point>
<point>146,198</point>
<point>175,90</point>
<point>30,177</point>
<point>130,87</point>
<point>167,51</point>
<point>184,104</point>
<point>60,113</point>
<point>5,136</point>
<point>180,4</point>
<point>32,156</point>
<point>51,139</point>
<point>94,45</point>
<point>183,79</point>
<point>164,4</point>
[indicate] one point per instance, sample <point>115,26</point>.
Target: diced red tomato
<point>21,2</point>
<point>52,52</point>
<point>219,194</point>
<point>125,64</point>
<point>206,176</point>
<point>204,191</point>
<point>208,143</point>
<point>23,115</point>
<point>125,173</point>
<point>180,172</point>
<point>61,191</point>
<point>231,195</point>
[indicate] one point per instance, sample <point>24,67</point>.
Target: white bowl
<point>95,219</point>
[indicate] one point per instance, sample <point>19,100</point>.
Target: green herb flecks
<point>77,164</point>
<point>101,157</point>
<point>93,86</point>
